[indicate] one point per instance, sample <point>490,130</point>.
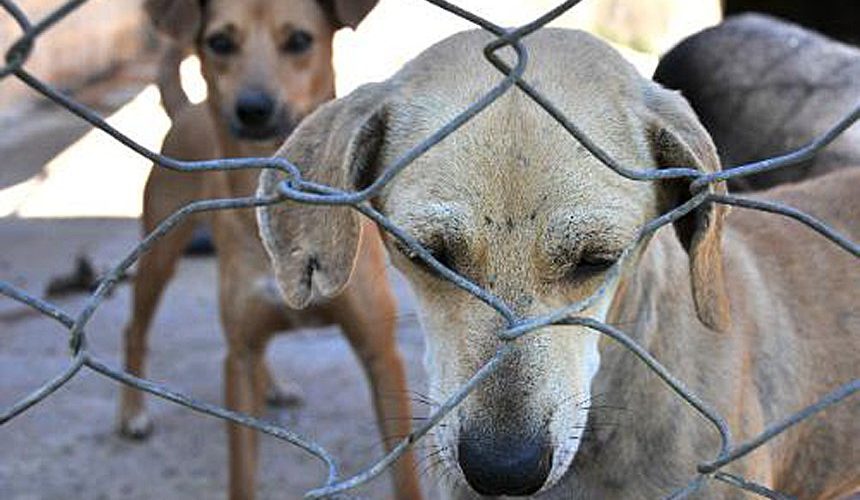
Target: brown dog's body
<point>519,207</point>
<point>763,87</point>
<point>262,79</point>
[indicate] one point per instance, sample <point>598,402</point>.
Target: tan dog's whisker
<point>412,400</point>
<point>606,407</point>
<point>434,463</point>
<point>430,462</point>
<point>387,442</point>
<point>415,397</point>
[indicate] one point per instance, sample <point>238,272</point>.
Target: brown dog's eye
<point>222,44</point>
<point>298,42</point>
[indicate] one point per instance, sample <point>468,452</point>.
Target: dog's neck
<point>642,417</point>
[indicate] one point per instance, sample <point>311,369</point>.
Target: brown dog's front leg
<point>373,338</point>
<point>154,270</point>
<point>244,386</point>
<point>368,316</point>
<point>281,394</point>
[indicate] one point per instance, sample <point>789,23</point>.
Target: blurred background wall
<point>103,33</point>
<point>88,43</point>
<point>397,30</point>
<point>53,165</point>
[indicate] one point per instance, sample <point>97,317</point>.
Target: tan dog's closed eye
<point>516,205</point>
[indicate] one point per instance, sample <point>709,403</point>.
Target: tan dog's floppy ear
<point>178,19</point>
<point>678,139</point>
<point>313,248</point>
<point>347,12</point>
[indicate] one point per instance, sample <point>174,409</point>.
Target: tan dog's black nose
<point>255,108</point>
<point>504,465</point>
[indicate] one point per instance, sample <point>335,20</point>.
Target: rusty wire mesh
<point>296,189</point>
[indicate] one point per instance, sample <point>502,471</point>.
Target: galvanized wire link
<point>743,484</point>
<point>295,188</point>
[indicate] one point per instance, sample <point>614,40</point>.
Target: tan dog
<point>267,64</point>
<point>762,87</point>
<point>518,206</point>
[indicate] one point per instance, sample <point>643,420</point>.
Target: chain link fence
<point>296,189</point>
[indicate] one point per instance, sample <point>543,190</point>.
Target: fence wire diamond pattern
<point>294,188</point>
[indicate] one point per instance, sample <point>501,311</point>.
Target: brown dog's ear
<point>178,19</point>
<point>347,12</point>
<point>313,248</point>
<point>678,139</point>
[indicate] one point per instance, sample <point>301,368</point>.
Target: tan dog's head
<point>267,63</point>
<point>515,204</point>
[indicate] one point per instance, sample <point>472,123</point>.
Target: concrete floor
<point>66,446</point>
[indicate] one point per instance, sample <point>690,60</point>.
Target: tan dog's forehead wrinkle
<point>513,143</point>
<point>515,236</point>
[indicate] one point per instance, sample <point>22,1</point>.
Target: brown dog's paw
<point>137,428</point>
<point>284,395</point>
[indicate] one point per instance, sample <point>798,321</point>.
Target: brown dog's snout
<point>504,464</point>
<point>255,108</point>
<point>257,115</point>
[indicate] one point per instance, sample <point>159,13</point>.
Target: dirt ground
<point>66,446</point>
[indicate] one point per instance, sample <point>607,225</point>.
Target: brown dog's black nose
<point>255,108</point>
<point>504,465</point>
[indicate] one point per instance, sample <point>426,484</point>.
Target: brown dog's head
<point>518,206</point>
<point>267,63</point>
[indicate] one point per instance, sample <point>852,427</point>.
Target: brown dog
<point>518,206</point>
<point>763,87</point>
<point>267,64</point>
